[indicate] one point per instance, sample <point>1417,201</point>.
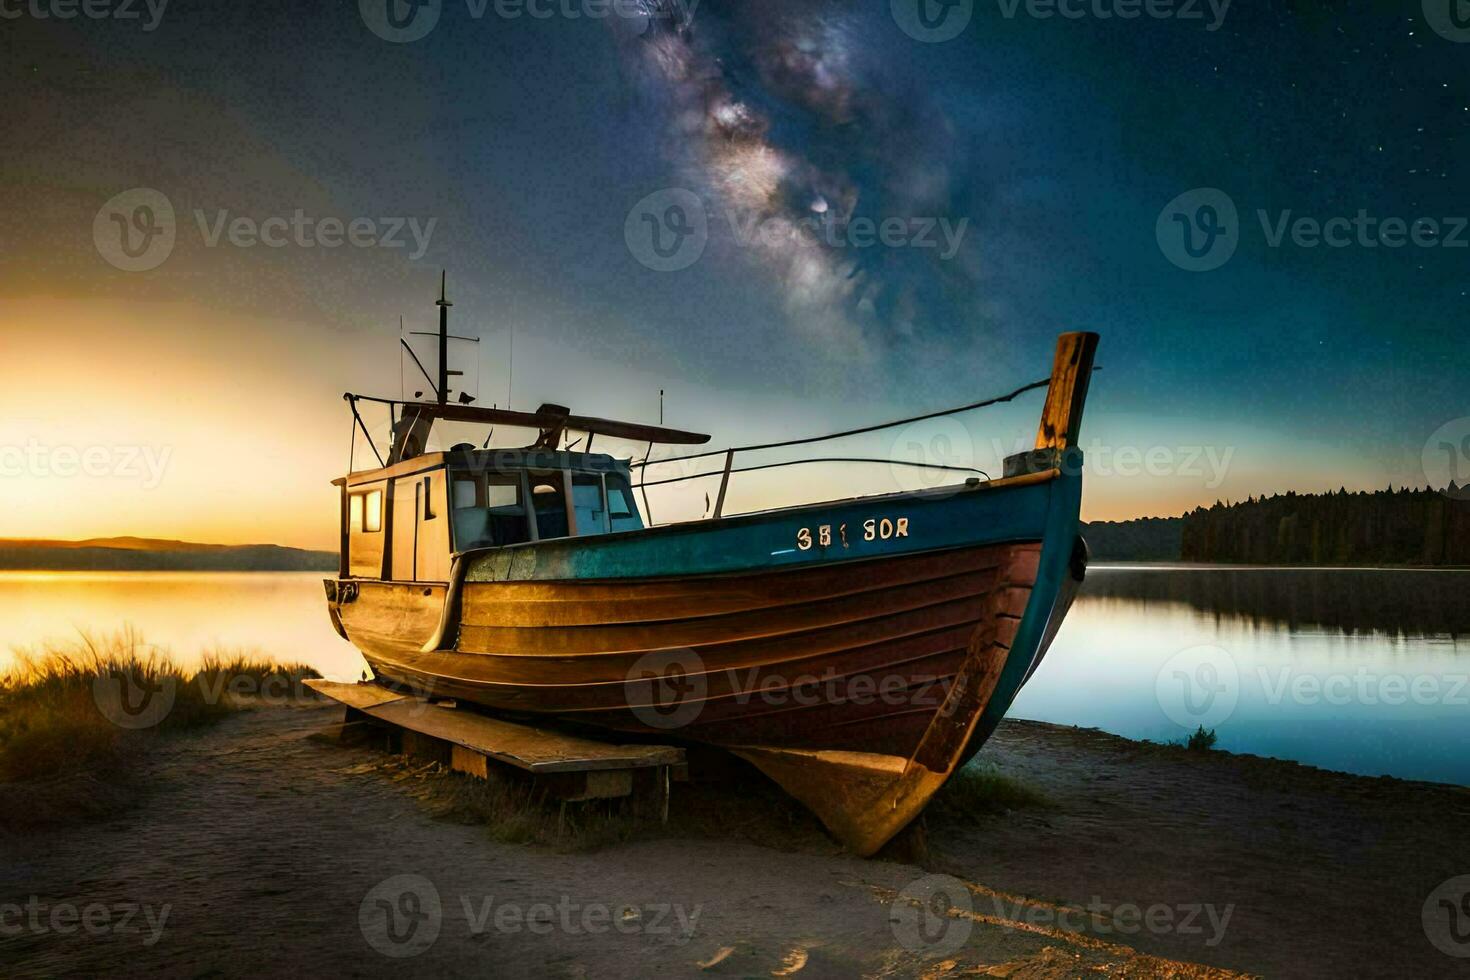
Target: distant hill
<point>155,554</point>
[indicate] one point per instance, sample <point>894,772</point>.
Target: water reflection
<point>1354,600</point>
<point>277,614</point>
<point>1360,670</point>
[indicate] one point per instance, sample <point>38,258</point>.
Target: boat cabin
<point>407,521</point>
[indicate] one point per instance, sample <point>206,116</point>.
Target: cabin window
<point>621,511</point>
<point>365,511</point>
<point>466,493</point>
<point>548,496</point>
<point>488,512</point>
<point>588,503</point>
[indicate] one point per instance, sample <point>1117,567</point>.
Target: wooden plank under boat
<point>857,651</point>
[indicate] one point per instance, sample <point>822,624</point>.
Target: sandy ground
<point>261,852</point>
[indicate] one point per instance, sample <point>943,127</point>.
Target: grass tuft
<point>1201,740</point>
<point>983,790</point>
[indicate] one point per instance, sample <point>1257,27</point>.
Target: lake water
<point>1360,670</point>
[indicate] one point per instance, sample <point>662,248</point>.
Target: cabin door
<point>421,528</point>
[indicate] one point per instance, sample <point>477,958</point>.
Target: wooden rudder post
<point>1061,418</point>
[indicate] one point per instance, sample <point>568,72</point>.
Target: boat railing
<point>730,454</point>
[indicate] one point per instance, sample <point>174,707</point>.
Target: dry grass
<point>983,790</point>
<point>69,750</point>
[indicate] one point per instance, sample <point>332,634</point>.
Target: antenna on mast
<point>441,388</point>
<point>444,306</point>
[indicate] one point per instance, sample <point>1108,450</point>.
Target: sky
<point>1038,167</point>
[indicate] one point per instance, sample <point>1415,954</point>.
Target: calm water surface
<point>278,614</point>
<point>1358,670</point>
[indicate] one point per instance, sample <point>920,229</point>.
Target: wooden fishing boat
<point>857,651</point>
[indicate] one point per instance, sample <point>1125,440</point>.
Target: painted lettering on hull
<point>874,529</point>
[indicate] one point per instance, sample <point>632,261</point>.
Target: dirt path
<point>261,852</point>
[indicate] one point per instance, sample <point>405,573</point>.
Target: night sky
<point>1051,145</point>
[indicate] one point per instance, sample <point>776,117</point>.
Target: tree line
<point>1389,527</point>
<point>1393,527</point>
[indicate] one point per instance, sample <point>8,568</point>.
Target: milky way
<point>779,115</point>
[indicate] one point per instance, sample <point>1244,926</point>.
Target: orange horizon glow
<point>159,420</point>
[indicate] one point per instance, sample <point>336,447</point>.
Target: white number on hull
<point>874,529</point>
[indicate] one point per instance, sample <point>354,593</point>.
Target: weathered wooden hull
<point>883,651</point>
<point>858,651</point>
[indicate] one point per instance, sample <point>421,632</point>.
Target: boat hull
<point>864,663</point>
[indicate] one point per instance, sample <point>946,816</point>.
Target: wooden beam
<point>359,696</point>
<point>1061,418</point>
